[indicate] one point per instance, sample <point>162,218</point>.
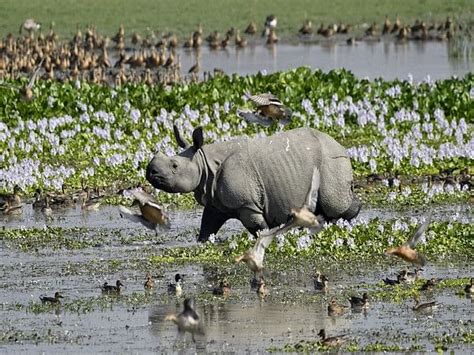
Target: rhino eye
<point>174,165</point>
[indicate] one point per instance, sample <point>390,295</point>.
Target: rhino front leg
<point>211,221</point>
<point>253,221</point>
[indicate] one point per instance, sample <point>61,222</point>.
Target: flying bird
<point>151,214</point>
<point>269,109</point>
<point>407,250</point>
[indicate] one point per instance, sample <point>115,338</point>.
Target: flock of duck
<point>154,59</point>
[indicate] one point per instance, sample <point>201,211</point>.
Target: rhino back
<point>271,175</point>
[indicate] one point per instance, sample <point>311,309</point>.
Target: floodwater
<point>387,59</point>
<point>134,322</point>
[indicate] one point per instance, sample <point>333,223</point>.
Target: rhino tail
<point>353,210</point>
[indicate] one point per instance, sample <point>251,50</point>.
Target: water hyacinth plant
<point>106,136</point>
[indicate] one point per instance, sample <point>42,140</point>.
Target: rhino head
<point>180,173</point>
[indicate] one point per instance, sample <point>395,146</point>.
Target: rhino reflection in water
<point>258,180</point>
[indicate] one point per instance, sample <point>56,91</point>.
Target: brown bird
<point>151,214</point>
<point>428,306</point>
<point>251,28</point>
<point>406,251</point>
<point>335,309</point>
<point>307,28</point>
<point>269,109</point>
<point>331,341</point>
<point>149,283</point>
<point>223,289</point>
<point>106,288</point>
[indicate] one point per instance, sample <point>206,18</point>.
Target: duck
<point>88,203</point>
<point>188,320</point>
<point>429,284</point>
<point>151,213</point>
<point>240,42</point>
<point>469,288</point>
<point>255,256</point>
<point>149,283</point>
<point>53,300</point>
<point>428,306</point>
<point>409,277</point>
<point>391,282</point>
<point>270,24</point>
<point>30,25</point>
<point>106,288</point>
<point>262,291</point>
<point>307,28</point>
<point>272,37</point>
<point>46,209</point>
<point>223,289</point>
<point>387,26</point>
<point>251,29</point>
<point>320,282</point>
<point>407,250</point>
<point>38,203</point>
<point>176,288</point>
<point>335,309</point>
<point>269,109</point>
<point>331,341</point>
<point>13,199</point>
<point>358,302</point>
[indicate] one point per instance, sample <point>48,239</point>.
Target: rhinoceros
<point>258,180</point>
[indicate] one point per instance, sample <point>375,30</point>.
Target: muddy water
<point>386,59</point>
<point>134,321</point>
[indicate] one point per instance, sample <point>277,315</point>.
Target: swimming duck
<point>151,214</point>
<point>357,302</point>
<point>469,288</point>
<point>149,283</point>
<point>38,203</point>
<point>331,341</point>
<point>13,199</point>
<point>188,320</point>
<point>335,309</point>
<point>269,109</point>
<point>406,251</point>
<point>391,282</point>
<point>52,300</point>
<point>176,288</point>
<point>46,209</point>
<point>387,26</point>
<point>272,37</point>
<point>428,306</point>
<point>320,282</point>
<point>106,288</point>
<point>223,289</point>
<point>88,203</point>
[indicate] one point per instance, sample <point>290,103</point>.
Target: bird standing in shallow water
<point>152,214</point>
<point>407,250</point>
<point>187,321</point>
<point>149,283</point>
<point>52,300</point>
<point>320,282</point>
<point>428,306</point>
<point>269,109</point>
<point>176,288</point>
<point>223,289</point>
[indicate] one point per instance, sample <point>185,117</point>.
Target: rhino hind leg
<point>252,220</point>
<point>212,220</point>
<point>353,210</point>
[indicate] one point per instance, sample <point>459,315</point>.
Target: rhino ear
<point>179,138</point>
<point>198,138</point>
